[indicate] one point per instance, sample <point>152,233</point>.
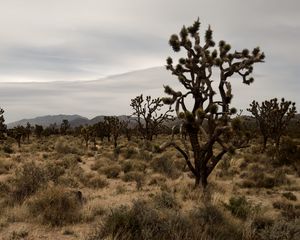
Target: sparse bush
<point>62,146</point>
<point>7,148</point>
<point>288,210</point>
<point>280,230</point>
<point>133,176</point>
<point>5,166</point>
<point>55,206</point>
<point>18,235</point>
<point>29,178</point>
<point>290,196</point>
<point>54,171</point>
<point>111,171</point>
<point>280,177</point>
<point>130,152</point>
<point>289,153</point>
<point>145,155</point>
<point>94,181</point>
<point>259,179</point>
<point>165,165</point>
<point>239,207</point>
<point>133,165</point>
<point>70,160</point>
<point>157,180</point>
<point>143,222</point>
<point>98,164</point>
<point>165,200</point>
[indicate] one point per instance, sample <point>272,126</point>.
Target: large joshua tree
<point>204,64</point>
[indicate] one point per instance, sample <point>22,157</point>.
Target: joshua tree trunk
<point>200,171</point>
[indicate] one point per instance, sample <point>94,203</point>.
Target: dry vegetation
<point>55,188</point>
<point>209,181</point>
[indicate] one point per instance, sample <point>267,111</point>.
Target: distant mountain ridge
<point>74,120</point>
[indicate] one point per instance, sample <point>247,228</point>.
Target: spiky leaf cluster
<point>194,71</point>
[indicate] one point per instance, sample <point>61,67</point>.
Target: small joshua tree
<point>195,73</point>
<point>272,117</point>
<point>149,116</point>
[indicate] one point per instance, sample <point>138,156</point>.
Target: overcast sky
<point>72,40</point>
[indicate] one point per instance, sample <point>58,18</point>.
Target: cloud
<point>69,40</point>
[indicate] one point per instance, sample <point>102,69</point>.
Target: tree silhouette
<point>149,115</point>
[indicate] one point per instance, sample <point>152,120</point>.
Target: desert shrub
<point>280,230</point>
<point>133,176</point>
<point>289,153</point>
<point>5,166</point>
<point>98,164</point>
<point>239,207</point>
<point>29,178</point>
<point>130,152</point>
<point>54,171</point>
<point>111,171</point>
<point>280,177</point>
<point>4,191</point>
<point>259,179</point>
<point>138,223</point>
<point>62,146</point>
<point>165,165</point>
<point>95,181</point>
<point>165,199</point>
<point>92,210</point>
<point>68,180</point>
<point>18,234</point>
<point>7,148</point>
<point>224,167</point>
<point>288,210</point>
<point>157,180</point>
<point>55,206</point>
<point>133,165</point>
<point>145,155</point>
<point>143,222</point>
<point>70,160</point>
<point>260,222</point>
<point>208,214</point>
<point>290,196</point>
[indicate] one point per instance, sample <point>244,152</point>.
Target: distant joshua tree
<point>149,115</point>
<point>65,126</point>
<point>195,73</point>
<point>86,133</point>
<point>115,127</point>
<point>18,133</point>
<point>38,130</point>
<point>272,117</point>
<point>2,125</point>
<point>28,131</point>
